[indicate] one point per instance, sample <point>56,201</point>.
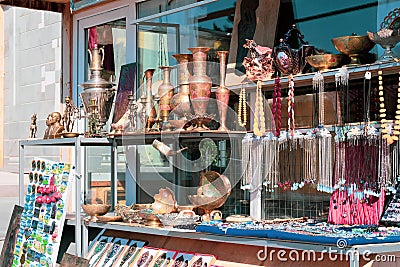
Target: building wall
<point>32,64</point>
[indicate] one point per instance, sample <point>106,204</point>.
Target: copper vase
<point>180,102</point>
<point>165,92</point>
<point>200,84</point>
<point>149,111</point>
<point>222,93</point>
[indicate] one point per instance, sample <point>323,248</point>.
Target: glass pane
<point>322,21</point>
<point>152,7</point>
<point>110,37</point>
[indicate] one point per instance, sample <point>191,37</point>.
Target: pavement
<point>8,198</point>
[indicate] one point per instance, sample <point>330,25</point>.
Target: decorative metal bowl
<point>150,218</point>
<point>174,219</point>
<point>164,201</point>
<point>199,120</point>
<point>130,215</point>
<point>353,46</point>
<point>127,213</point>
<point>387,39</point>
<point>212,193</point>
<point>94,210</point>
<point>325,61</point>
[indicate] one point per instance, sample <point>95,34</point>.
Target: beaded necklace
<point>291,106</point>
<point>242,107</point>
<point>388,134</point>
<point>277,106</point>
<point>259,117</point>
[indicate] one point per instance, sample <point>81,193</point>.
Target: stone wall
<point>32,64</point>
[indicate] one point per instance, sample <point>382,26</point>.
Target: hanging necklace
<point>342,81</point>
<point>318,87</point>
<point>367,97</point>
<point>277,106</point>
<point>324,137</point>
<point>259,118</point>
<point>291,106</point>
<point>386,127</point>
<point>396,131</point>
<point>242,107</point>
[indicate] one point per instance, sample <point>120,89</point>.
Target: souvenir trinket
<point>259,66</point>
<point>290,55</point>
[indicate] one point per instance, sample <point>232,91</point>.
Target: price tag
<point>367,75</point>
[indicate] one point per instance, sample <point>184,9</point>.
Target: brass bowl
<point>325,61</point>
<point>94,210</point>
<point>353,46</point>
<point>70,135</point>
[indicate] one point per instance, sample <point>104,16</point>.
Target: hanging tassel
<point>271,162</point>
<point>325,161</point>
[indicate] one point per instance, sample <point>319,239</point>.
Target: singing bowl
<point>352,45</point>
<point>325,61</point>
<point>96,209</point>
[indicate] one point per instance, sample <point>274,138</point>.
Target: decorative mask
<point>259,66</point>
<point>292,61</point>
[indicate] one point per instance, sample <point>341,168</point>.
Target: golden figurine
<point>33,127</point>
<point>54,126</point>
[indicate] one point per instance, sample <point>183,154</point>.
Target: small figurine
<point>68,117</point>
<point>54,126</point>
<point>33,127</point>
<point>93,121</point>
<point>259,66</point>
<point>129,119</point>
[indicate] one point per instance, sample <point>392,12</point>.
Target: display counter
<point>284,250</point>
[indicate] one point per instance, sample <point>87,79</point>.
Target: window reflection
<point>225,24</point>
<point>111,37</point>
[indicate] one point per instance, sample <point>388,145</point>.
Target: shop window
<point>224,25</point>
<point>110,38</point>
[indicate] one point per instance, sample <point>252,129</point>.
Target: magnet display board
<point>43,217</point>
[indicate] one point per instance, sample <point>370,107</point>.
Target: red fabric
<point>92,38</point>
<point>348,209</point>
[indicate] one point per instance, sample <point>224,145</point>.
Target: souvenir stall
<point>257,152</point>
